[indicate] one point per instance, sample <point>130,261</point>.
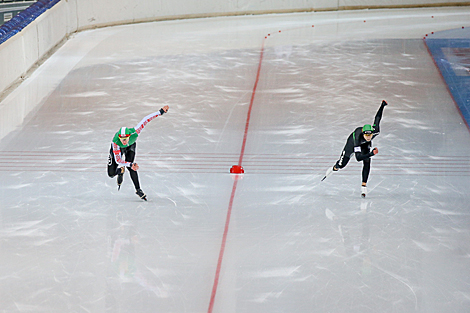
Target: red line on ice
<point>247,125</point>
<point>234,188</point>
<point>222,249</point>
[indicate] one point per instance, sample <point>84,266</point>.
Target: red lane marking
<point>222,248</point>
<point>234,188</point>
<point>247,125</point>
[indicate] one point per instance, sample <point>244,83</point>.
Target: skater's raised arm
<point>378,117</point>
<point>148,118</point>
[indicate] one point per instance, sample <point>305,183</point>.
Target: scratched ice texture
<point>70,242</point>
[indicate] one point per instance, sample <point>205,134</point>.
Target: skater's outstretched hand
<point>384,103</point>
<point>165,108</point>
<point>375,151</point>
<point>135,166</point>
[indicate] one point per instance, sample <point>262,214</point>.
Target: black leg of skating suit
<point>343,160</point>
<point>113,169</point>
<point>135,178</point>
<point>365,170</point>
<point>348,150</point>
<point>130,155</point>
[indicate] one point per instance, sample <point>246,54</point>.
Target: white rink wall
<point>20,54</point>
<point>99,13</point>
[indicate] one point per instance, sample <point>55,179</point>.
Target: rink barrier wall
<point>28,40</point>
<point>41,36</point>
<point>88,19</point>
<point>64,17</point>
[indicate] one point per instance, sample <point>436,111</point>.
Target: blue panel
<point>451,52</point>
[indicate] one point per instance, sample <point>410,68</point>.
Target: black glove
<point>162,112</point>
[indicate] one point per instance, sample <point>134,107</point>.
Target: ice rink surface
<point>278,93</point>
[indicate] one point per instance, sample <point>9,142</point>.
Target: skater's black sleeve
<point>362,157</point>
<point>378,118</point>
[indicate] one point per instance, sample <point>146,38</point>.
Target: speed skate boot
<point>329,171</point>
<point>141,194</point>
<point>120,177</point>
<point>363,191</point>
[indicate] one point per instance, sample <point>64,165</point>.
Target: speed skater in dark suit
<point>124,144</point>
<point>360,143</point>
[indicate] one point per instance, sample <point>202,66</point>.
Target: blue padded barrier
<point>24,18</point>
<point>451,53</point>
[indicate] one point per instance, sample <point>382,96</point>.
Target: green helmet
<point>367,129</point>
<point>125,132</point>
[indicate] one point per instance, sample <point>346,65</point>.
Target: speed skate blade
<point>329,171</point>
